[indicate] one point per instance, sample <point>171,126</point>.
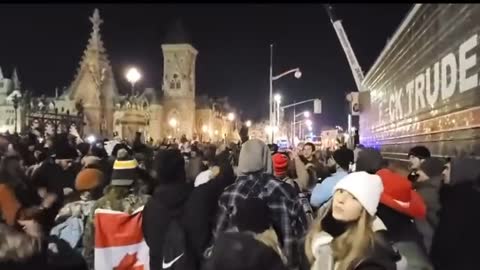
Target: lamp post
<point>248,123</point>
<point>298,75</point>
<point>305,114</point>
<point>133,76</point>
<point>231,118</point>
<point>278,100</point>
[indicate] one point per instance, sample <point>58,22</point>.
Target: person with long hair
<point>348,235</point>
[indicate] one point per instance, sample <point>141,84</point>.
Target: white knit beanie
<point>366,188</point>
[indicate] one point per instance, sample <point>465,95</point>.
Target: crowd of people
<point>236,207</point>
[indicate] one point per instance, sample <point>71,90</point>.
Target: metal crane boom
<point>342,36</point>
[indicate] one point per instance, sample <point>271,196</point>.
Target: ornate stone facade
<point>172,111</point>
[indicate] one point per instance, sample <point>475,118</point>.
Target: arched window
<point>176,82</point>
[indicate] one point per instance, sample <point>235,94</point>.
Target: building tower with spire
<point>178,85</point>
<point>94,85</point>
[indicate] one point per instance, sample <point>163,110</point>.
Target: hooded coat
<point>254,158</point>
<point>180,201</point>
<point>256,180</point>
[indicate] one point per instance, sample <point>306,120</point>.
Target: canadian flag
<point>119,242</point>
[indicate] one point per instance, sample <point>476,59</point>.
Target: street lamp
<point>231,117</point>
<point>173,123</point>
<point>133,76</point>
<point>278,98</point>
<point>306,114</point>
<point>308,122</point>
<point>248,123</point>
<point>298,75</point>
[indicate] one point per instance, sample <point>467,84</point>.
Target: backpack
<point>177,254</point>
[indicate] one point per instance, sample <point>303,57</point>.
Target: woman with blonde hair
<point>347,235</point>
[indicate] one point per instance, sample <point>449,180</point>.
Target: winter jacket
<point>117,199</point>
<point>71,230</point>
<point>430,192</point>
<point>455,244</point>
<point>171,201</point>
<point>403,233</point>
<point>324,191</point>
<point>54,179</point>
<point>303,178</point>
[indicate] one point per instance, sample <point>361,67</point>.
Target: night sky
<point>46,42</point>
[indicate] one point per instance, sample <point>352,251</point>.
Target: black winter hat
<point>343,157</point>
<point>432,167</point>
<point>170,166</point>
<point>252,215</point>
<point>369,160</point>
<point>420,152</point>
<point>64,151</point>
<point>124,170</point>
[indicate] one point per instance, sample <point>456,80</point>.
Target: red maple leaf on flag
<point>128,263</point>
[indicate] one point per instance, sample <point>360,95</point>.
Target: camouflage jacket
<point>117,199</point>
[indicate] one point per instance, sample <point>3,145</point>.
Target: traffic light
<point>354,103</point>
<point>317,106</point>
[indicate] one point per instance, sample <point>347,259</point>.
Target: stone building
<point>172,111</point>
<point>8,89</point>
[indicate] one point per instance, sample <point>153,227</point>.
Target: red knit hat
<point>280,164</point>
<point>399,195</point>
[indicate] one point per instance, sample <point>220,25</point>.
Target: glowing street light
<point>173,122</point>
<point>278,98</point>
<point>91,139</point>
<point>248,123</point>
<point>204,129</point>
<point>298,74</point>
<point>133,76</point>
<point>308,122</point>
<point>271,110</point>
<point>231,116</point>
<point>306,114</point>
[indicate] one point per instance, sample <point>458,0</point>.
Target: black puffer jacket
<point>169,201</point>
<point>382,256</point>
